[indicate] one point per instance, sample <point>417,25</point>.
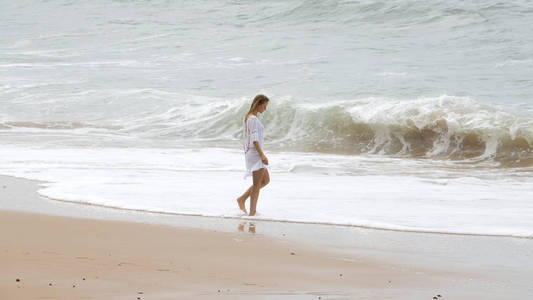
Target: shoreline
<point>246,218</point>
<point>417,264</point>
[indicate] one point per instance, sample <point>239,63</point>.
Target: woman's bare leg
<point>266,179</point>
<point>246,194</point>
<point>242,199</point>
<point>258,177</point>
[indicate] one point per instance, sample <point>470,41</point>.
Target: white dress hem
<point>253,132</point>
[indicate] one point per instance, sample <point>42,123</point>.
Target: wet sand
<point>100,254</point>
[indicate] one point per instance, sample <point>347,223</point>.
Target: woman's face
<point>261,108</point>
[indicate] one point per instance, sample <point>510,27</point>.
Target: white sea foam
<point>456,128</point>
<point>332,189</point>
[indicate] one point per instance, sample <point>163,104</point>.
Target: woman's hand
<point>264,159</point>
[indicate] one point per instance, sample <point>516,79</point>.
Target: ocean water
<point>405,115</point>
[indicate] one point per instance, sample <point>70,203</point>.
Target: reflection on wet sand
<point>251,227</point>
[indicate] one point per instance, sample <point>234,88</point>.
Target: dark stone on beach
<point>219,291</point>
<point>18,280</point>
<point>74,286</point>
<point>340,275</point>
<point>435,297</point>
<point>49,284</point>
<point>439,296</point>
<point>83,278</point>
<point>140,293</point>
<point>390,281</point>
<point>292,253</point>
<point>138,298</point>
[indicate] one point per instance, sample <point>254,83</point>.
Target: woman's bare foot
<point>242,207</point>
<point>252,213</point>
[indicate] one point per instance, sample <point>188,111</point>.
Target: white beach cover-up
<point>253,131</point>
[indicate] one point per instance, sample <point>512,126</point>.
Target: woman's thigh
<point>258,176</point>
<point>266,177</point>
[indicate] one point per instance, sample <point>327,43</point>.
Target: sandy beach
<point>65,258</point>
<point>397,136</point>
<point>62,257</point>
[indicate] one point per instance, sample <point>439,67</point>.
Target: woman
<point>256,161</point>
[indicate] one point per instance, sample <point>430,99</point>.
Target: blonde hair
<point>258,100</point>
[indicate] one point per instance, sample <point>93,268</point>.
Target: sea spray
<point>445,127</point>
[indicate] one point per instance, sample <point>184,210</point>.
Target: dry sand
<point>57,257</point>
<point>66,258</point>
<point>87,259</point>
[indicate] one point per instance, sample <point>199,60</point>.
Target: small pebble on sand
<point>435,297</point>
<point>439,296</point>
<point>49,284</point>
<point>18,280</point>
<point>292,253</point>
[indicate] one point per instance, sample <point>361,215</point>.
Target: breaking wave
<point>445,127</point>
